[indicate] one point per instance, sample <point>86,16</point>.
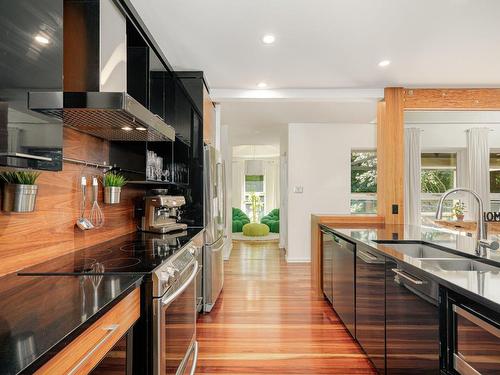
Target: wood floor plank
<point>268,321</point>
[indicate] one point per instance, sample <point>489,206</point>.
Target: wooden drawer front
<point>88,349</point>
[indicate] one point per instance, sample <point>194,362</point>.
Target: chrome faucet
<point>482,238</point>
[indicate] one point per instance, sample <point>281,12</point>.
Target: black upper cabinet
<point>137,65</point>
<point>183,115</point>
<point>31,57</point>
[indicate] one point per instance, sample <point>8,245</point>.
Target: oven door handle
<point>184,286</point>
<point>195,359</point>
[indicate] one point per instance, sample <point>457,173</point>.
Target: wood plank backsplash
<point>30,238</point>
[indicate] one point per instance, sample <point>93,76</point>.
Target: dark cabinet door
<point>118,361</point>
<point>343,282</point>
<point>183,116</point>
<point>370,304</point>
<point>412,321</point>
<point>31,59</point>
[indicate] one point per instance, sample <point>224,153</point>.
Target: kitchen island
<point>417,299</point>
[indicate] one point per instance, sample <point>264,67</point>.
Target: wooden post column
<point>390,156</point>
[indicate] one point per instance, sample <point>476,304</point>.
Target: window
<point>363,182</point>
<point>495,181</point>
<point>254,196</point>
<point>438,174</point>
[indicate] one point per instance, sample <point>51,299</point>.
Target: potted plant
<point>458,210</point>
<point>113,182</point>
<point>19,190</point>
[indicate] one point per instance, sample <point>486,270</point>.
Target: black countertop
<point>482,286</point>
<point>133,253</point>
<point>40,315</point>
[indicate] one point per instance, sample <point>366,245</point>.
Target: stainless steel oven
<point>175,346</point>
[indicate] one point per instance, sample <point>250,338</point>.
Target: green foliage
<point>256,206</point>
<point>364,172</point>
<point>19,177</point>
<point>114,179</point>
<point>458,208</point>
<point>436,180</point>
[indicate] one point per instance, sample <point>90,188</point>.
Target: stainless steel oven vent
<point>108,115</point>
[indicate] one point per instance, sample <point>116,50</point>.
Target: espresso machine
<point>162,214</point>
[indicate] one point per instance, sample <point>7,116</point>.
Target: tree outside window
<point>363,182</point>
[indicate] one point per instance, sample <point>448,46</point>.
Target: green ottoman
<point>239,219</point>
<point>255,230</point>
<point>272,220</point>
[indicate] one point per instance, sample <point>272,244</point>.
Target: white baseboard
<point>298,260</point>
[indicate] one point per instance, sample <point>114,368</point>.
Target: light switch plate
<point>298,189</point>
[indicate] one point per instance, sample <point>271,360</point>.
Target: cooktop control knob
<point>193,250</point>
<point>172,272</point>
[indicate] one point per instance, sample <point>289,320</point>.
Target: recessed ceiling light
<point>127,128</point>
<point>41,39</point>
<point>141,128</point>
<point>268,39</point>
<point>384,63</point>
<point>262,85</point>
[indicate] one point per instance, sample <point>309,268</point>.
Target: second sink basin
<point>418,250</point>
<point>456,265</point>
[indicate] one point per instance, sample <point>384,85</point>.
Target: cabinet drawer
<point>87,350</point>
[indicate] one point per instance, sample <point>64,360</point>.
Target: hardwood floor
<point>267,321</point>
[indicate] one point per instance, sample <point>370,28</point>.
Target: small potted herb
<point>458,210</point>
<point>19,190</point>
<point>113,182</point>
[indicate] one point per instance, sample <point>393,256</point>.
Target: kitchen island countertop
<point>482,286</point>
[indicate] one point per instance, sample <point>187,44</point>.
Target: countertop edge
<point>442,282</point>
<point>70,336</point>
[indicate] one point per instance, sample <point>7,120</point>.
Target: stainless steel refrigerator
<point>215,227</point>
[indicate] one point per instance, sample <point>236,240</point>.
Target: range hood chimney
<point>95,98</point>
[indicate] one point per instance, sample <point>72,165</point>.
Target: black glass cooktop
<point>133,253</point>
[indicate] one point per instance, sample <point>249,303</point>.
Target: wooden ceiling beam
<point>451,99</point>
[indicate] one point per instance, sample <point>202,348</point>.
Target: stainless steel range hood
<point>95,98</point>
<point>114,116</point>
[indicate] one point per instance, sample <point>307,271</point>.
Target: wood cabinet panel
<point>88,349</point>
<point>208,118</point>
<point>357,221</point>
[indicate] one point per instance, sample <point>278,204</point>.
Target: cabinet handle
<point>195,359</point>
<point>111,330</point>
<point>476,320</point>
<point>407,276</point>
<point>25,156</point>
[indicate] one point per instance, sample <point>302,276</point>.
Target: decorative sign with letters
<point>491,216</point>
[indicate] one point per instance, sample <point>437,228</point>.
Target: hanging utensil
<point>96,216</point>
<point>82,222</point>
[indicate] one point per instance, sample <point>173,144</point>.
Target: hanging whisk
<point>96,215</point>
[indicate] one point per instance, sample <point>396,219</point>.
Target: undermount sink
<point>418,250</point>
<point>456,265</point>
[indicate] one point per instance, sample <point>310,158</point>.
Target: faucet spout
<point>481,230</point>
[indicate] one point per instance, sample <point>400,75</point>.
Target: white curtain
<point>238,184</point>
<point>463,182</point>
<point>283,201</point>
<point>412,183</point>
<point>271,187</point>
<point>478,158</point>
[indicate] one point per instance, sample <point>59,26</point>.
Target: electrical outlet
<point>395,209</point>
<point>298,189</point>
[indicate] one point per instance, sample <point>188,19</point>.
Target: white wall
<point>319,162</point>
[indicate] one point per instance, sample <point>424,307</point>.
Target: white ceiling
<point>266,122</point>
<point>330,43</point>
